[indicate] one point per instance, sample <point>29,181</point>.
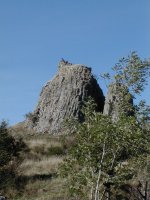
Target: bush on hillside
<point>10,156</point>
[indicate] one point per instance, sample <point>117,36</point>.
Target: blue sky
<point>36,34</point>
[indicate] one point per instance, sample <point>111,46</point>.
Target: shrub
<point>56,150</point>
<point>10,156</point>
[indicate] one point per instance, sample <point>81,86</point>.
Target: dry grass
<point>40,166</point>
<point>45,146</point>
<point>47,165</point>
<point>44,190</point>
<point>19,130</point>
<point>33,143</point>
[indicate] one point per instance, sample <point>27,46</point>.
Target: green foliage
<point>132,72</point>
<point>143,113</point>
<point>102,153</point>
<point>56,150</point>
<point>10,156</point>
<point>130,79</point>
<point>107,155</point>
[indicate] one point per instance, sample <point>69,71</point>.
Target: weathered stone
<point>118,100</point>
<point>63,98</point>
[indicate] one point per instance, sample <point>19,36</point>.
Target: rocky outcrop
<point>118,100</point>
<point>63,97</point>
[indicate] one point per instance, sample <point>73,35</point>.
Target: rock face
<point>118,100</point>
<point>63,98</point>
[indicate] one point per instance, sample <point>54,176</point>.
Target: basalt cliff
<point>63,97</point>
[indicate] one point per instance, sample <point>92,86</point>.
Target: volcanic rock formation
<point>118,100</point>
<point>63,97</point>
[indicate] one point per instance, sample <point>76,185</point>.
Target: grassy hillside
<point>39,170</point>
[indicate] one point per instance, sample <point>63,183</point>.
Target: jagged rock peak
<point>63,63</point>
<point>118,99</point>
<point>63,97</point>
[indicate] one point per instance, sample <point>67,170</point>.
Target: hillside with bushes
<point>75,146</point>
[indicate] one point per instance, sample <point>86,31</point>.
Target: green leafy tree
<point>132,72</point>
<point>100,159</point>
<point>131,75</point>
<point>106,153</point>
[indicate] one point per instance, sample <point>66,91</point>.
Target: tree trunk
<point>108,195</point>
<point>99,174</point>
